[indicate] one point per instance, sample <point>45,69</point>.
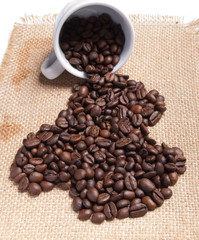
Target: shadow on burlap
<point>165,57</point>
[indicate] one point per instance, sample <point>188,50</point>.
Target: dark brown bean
<point>34,189</point>
<point>98,218</point>
<point>138,210</point>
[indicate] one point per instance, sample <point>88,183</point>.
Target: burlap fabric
<point>165,57</point>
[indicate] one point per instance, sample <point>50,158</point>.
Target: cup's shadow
<point>65,80</point>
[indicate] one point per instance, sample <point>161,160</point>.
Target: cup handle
<point>51,67</point>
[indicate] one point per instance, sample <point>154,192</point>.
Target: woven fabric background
<point>165,57</point>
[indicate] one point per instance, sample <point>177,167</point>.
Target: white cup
<point>56,62</point>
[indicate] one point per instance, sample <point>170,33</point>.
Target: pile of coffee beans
<point>100,150</point>
<point>92,45</point>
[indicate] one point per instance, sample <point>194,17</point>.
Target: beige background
<point>165,57</point>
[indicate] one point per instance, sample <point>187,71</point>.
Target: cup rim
<point>62,19</point>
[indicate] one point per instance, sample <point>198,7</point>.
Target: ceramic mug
<point>56,62</point>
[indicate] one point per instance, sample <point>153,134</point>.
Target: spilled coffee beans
<point>100,150</point>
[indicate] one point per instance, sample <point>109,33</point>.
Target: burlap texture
<point>165,57</point>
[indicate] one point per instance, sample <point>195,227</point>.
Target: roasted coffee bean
<point>137,210</point>
<point>93,194</point>
<point>158,197</point>
<point>129,195</point>
<point>154,118</point>
<point>34,189</point>
<point>66,157</point>
<point>139,193</point>
<point>98,218</point>
<point>146,185</point>
<point>122,142</point>
<point>85,214</point>
<point>53,139</point>
<point>50,175</point>
<point>165,180</point>
<point>123,213</point>
<point>166,192</point>
<point>137,120</point>
<point>77,204</point>
<point>15,172</point>
<point>94,131</point>
<point>130,183</point>
<point>21,161</point>
<point>103,142</point>
<point>23,184</point>
<point>151,205</point>
<point>19,177</point>
<point>31,143</point>
<point>36,161</point>
<point>36,177</point>
<point>103,198</point>
<point>123,203</point>
<point>110,210</point>
<point>46,186</point>
<point>173,178</point>
<point>28,168</point>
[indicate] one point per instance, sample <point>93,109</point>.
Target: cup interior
<point>97,9</point>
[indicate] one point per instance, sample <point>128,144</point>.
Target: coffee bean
<point>85,214</point>
<point>103,142</point>
<point>146,185</point>
<point>103,198</point>
<point>79,174</point>
<point>173,178</point>
<point>123,203</point>
<point>119,186</point>
<point>28,168</point>
<point>50,175</point>
<point>34,189</point>
<point>46,186</point>
<point>96,111</point>
<point>166,192</point>
<point>31,143</point>
<point>23,184</point>
<point>53,139</point>
<point>138,210</point>
<point>94,131</point>
<point>77,204</point>
<point>14,172</point>
<point>105,133</point>
<point>75,61</point>
<point>165,180</point>
<point>21,161</point>
<point>129,195</point>
<point>41,168</point>
<point>98,218</point>
<point>137,120</point>
<point>92,194</point>
<point>19,177</point>
<point>45,136</point>
<point>123,213</point>
<point>158,197</point>
<point>154,118</point>
<point>110,210</point>
<point>151,205</point>
<point>36,161</point>
<point>36,177</point>
<point>66,157</point>
<point>130,183</point>
<point>123,142</point>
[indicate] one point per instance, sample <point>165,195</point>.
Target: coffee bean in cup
<point>92,44</point>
